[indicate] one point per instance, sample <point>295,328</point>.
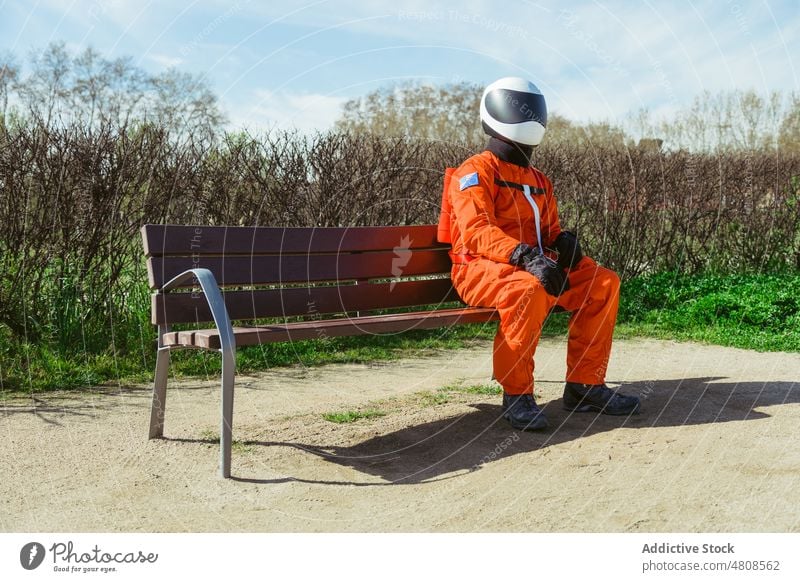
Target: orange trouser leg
<point>593,299</point>
<point>523,305</point>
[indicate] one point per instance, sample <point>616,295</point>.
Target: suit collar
<point>514,153</point>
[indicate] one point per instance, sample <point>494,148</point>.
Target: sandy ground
<point>715,449</point>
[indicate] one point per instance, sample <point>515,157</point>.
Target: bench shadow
<point>51,408</point>
<point>460,444</point>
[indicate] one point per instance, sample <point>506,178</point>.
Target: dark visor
<point>507,106</point>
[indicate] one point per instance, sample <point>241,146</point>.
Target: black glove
<point>569,249</point>
<point>522,253</point>
<point>550,275</point>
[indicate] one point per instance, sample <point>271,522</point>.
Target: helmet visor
<point>508,106</point>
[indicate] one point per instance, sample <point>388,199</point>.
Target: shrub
<point>72,199</point>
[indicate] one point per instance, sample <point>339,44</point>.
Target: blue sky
<point>294,63</point>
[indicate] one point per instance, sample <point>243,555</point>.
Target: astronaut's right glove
<point>550,275</point>
<point>522,253</point>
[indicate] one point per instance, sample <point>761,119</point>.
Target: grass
<point>352,415</point>
<point>436,398</point>
<point>236,445</point>
<point>483,389</point>
<point>760,312</point>
<point>31,366</point>
<point>487,389</point>
<point>424,399</point>
<point>445,394</point>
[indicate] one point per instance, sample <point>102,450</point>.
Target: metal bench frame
<point>208,284</point>
<point>171,276</point>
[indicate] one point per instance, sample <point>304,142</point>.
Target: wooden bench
<point>309,282</point>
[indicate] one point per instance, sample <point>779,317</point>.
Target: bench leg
<point>226,428</point>
<point>159,393</point>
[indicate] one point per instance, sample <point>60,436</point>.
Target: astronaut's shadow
<point>466,442</point>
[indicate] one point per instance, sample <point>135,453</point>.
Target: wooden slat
<point>273,269</point>
<point>170,239</point>
<point>381,324</point>
<point>300,301</point>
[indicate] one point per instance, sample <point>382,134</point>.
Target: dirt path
<point>715,449</point>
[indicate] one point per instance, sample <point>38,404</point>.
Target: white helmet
<point>514,109</point>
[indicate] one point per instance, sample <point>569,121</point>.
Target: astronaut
<point>510,253</point>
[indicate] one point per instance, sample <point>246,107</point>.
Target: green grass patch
<point>759,312</point>
<point>352,415</point>
<point>482,389</point>
<point>356,349</point>
<point>487,389</point>
<point>427,398</point>
<point>236,445</point>
<point>27,367</point>
<point>750,311</point>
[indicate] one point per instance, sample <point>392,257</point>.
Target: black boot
<point>598,398</point>
<point>523,414</point>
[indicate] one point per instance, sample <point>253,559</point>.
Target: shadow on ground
<point>463,443</point>
<point>54,408</point>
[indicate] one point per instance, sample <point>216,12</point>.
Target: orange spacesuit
<point>492,211</point>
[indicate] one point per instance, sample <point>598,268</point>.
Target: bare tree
<point>561,130</point>
<point>96,92</point>
<point>9,72</point>
<point>789,133</point>
<point>733,120</point>
<point>434,112</point>
<point>46,88</point>
<point>450,113</point>
<point>184,104</point>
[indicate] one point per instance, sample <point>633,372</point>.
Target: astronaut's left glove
<point>569,249</point>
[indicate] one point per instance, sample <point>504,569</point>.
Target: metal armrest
<point>214,298</point>
<point>228,348</point>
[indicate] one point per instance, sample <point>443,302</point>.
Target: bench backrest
<point>273,272</point>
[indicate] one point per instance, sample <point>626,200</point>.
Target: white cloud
<point>306,112</point>
<point>165,61</point>
<point>592,60</point>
